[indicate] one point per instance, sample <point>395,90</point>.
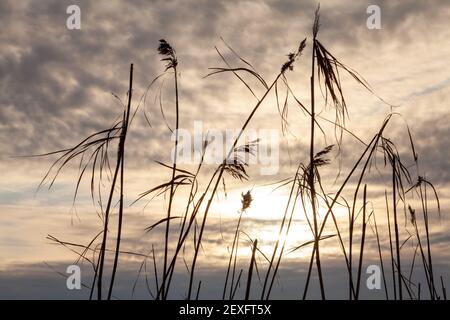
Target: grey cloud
<point>55,84</point>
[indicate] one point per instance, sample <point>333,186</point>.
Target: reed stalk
<point>250,270</point>
<point>126,120</point>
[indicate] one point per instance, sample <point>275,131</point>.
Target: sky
<point>57,86</point>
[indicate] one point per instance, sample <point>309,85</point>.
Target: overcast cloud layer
<point>56,85</point>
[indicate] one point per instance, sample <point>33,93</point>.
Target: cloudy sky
<point>57,86</point>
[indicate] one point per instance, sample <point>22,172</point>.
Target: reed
<point>250,270</point>
<point>167,51</point>
<point>96,149</point>
<point>126,123</point>
<point>363,238</point>
<point>246,202</point>
<point>311,153</point>
<point>307,192</point>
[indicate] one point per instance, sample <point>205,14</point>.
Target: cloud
<point>56,85</point>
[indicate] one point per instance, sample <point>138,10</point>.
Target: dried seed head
<point>320,159</point>
<point>236,163</point>
<point>289,65</point>
<point>246,200</point>
<point>412,214</point>
<point>236,168</point>
<point>316,25</point>
<point>165,49</point>
<point>247,148</point>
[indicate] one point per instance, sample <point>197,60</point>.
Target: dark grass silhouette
<point>306,188</point>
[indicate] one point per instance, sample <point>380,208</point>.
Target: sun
<point>263,219</point>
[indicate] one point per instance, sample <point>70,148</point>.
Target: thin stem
<point>171,195</point>
<point>250,270</point>
<point>105,226</point>
<point>311,177</point>
<point>381,257</point>
<point>283,221</point>
<point>363,238</point>
<point>216,185</point>
<point>390,246</point>
<point>122,158</point>
<point>397,241</point>
<point>277,265</point>
<point>430,263</point>
<point>369,148</point>
<point>233,273</point>
<point>231,256</point>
